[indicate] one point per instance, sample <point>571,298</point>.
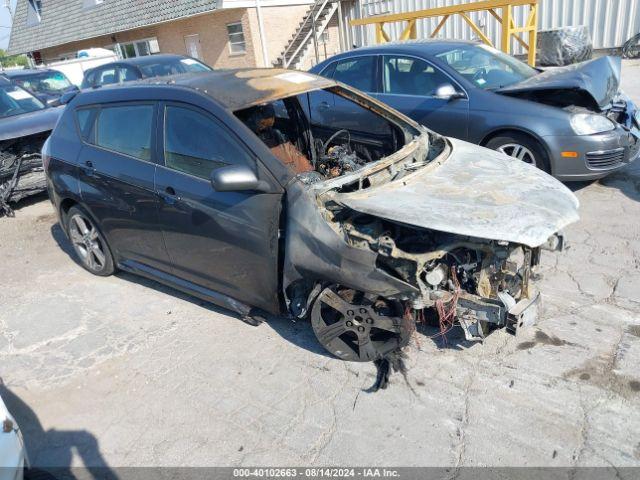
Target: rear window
<point>86,117</point>
<point>357,72</point>
<point>173,67</point>
<point>126,129</point>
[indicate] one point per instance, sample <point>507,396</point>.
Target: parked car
<point>46,84</point>
<point>137,68</point>
<point>238,188</point>
<point>12,451</point>
<point>25,123</point>
<point>572,122</point>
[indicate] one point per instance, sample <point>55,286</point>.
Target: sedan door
<point>116,180</point>
<point>409,84</point>
<point>226,242</point>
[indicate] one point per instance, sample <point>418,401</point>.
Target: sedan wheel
<point>89,244</point>
<point>518,151</point>
<point>358,327</point>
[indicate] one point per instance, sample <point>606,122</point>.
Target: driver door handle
<point>169,195</point>
<point>89,168</point>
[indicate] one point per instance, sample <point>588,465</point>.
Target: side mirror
<point>67,97</point>
<point>447,92</point>
<point>236,178</point>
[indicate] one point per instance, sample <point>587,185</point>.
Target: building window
<point>34,12</point>
<point>236,38</point>
<point>139,48</point>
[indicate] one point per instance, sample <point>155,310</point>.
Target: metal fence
<point>611,22</point>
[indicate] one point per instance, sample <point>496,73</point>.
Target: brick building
<point>222,33</point>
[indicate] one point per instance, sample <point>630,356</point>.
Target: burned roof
<point>241,88</point>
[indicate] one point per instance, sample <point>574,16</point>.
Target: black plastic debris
<point>564,46</point>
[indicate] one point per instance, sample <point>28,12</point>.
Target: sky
<point>5,23</point>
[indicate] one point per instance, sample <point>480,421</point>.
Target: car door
<point>116,180</point>
<point>409,85</point>
<point>223,241</point>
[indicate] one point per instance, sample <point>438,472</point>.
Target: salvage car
<point>137,68</point>
<point>234,186</point>
<point>46,84</point>
<point>572,122</point>
<point>25,123</point>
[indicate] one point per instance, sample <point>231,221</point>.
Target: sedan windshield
<point>15,101</point>
<point>487,67</point>
<point>44,82</point>
<point>172,67</point>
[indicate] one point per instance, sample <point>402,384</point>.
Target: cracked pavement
<point>121,371</point>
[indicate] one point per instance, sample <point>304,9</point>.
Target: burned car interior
<point>305,134</point>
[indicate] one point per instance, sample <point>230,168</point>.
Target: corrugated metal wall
<point>611,22</point>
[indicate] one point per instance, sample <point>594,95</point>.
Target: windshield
<point>172,67</point>
<point>487,67</point>
<point>44,82</point>
<point>15,101</point>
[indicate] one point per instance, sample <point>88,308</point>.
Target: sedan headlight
<point>589,123</point>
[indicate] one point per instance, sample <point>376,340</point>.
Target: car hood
<point>597,81</point>
<point>29,123</point>
<point>474,192</point>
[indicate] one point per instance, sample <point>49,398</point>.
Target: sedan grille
<point>605,158</point>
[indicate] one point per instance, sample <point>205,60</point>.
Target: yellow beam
<point>475,28</point>
<point>506,28</point>
<point>439,27</point>
<point>518,39</point>
<point>437,12</point>
<point>410,31</point>
<point>533,35</point>
<point>381,35</point>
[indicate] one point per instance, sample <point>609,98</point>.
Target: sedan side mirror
<point>447,92</point>
<point>236,178</point>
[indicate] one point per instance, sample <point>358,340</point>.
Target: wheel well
<point>507,131</point>
<point>65,206</point>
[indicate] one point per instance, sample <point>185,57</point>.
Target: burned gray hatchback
<point>245,190</point>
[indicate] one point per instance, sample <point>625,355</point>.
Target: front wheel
<point>358,327</point>
<point>89,244</point>
<point>523,148</point>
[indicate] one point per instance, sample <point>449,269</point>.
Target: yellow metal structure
<point>504,17</point>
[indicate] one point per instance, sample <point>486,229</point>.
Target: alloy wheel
<point>518,151</point>
<point>87,242</point>
<point>357,327</point>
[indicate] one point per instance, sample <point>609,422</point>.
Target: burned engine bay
<point>368,281</point>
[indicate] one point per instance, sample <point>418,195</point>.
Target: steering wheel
<point>480,74</point>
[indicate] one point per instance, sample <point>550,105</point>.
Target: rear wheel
<point>522,147</point>
<point>89,244</point>
<point>358,327</point>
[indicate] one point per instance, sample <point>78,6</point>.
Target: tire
<point>89,244</point>
<point>521,146</point>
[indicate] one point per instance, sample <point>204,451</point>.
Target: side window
<point>86,118</point>
<point>357,72</point>
<point>196,144</point>
<point>89,79</point>
<point>128,74</point>
<point>107,76</point>
<point>411,76</point>
<point>126,129</point>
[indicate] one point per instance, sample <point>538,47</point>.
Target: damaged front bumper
<point>477,316</point>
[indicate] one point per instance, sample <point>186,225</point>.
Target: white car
<point>12,451</point>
